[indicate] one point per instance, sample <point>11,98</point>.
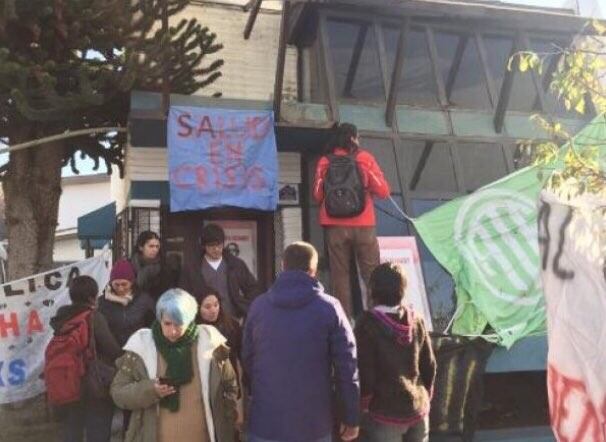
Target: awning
<point>96,228</point>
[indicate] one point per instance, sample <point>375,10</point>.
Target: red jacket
<point>374,182</point>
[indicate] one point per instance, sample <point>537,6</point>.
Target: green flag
<point>488,242</point>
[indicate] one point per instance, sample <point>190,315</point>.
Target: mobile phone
<point>167,381</point>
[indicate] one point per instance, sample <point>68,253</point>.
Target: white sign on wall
<point>241,240</point>
<point>404,250</point>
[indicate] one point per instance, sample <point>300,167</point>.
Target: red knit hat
<point>122,269</point>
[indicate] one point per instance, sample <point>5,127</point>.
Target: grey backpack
<point>344,195</point>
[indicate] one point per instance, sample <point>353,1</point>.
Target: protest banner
<point>572,238</point>
<point>403,250</point>
<point>220,157</point>
<point>26,307</point>
<point>488,242</point>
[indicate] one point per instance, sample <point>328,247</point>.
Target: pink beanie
<point>122,269</point>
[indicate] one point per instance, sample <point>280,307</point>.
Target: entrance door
<point>249,235</point>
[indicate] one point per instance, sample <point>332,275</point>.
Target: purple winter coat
<point>294,336</point>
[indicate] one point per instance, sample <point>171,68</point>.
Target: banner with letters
<point>488,241</point>
<point>572,238</point>
<point>221,157</point>
<point>26,307</point>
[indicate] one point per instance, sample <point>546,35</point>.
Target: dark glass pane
<point>461,68</point>
<point>383,151</point>
<point>355,60</point>
<point>481,163</point>
<point>498,50</point>
<point>389,221</point>
<point>417,84</point>
<point>430,166</point>
<point>438,282</point>
<point>549,51</point>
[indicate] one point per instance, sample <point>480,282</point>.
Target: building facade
<point>426,82</point>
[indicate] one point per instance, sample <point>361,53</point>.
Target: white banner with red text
<point>26,307</point>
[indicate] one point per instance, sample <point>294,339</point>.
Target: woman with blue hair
<point>176,378</point>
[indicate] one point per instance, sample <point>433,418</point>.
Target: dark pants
<point>343,244</point>
<point>93,418</point>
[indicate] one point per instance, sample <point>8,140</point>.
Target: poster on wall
<point>404,250</point>
<point>241,240</point>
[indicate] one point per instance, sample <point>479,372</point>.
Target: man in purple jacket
<point>298,347</point>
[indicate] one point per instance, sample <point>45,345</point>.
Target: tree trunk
<point>32,188</point>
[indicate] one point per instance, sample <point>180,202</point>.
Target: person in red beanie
<point>126,307</point>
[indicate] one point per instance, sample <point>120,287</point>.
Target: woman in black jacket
<point>211,312</point>
<point>396,361</point>
<point>89,417</point>
<point>153,275</point>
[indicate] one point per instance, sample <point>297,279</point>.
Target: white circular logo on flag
<point>493,232</point>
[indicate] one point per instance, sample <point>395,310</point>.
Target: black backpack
<point>344,195</point>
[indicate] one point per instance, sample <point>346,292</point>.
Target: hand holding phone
<point>164,388</point>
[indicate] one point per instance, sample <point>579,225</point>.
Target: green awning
<point>97,227</point>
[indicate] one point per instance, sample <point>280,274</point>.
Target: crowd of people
<point>209,357</point>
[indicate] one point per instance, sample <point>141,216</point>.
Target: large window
<point>430,166</point>
<point>441,68</point>
<point>355,59</point>
<point>461,69</point>
<point>482,163</point>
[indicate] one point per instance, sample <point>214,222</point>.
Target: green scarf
<point>179,366</point>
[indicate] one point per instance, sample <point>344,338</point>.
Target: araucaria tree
<point>70,64</point>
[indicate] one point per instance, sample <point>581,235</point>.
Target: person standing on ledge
<point>345,183</point>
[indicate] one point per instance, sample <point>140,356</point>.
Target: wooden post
<point>165,75</point>
<point>252,18</point>
<point>328,71</point>
<point>505,93</point>
<point>355,60</point>
<point>456,65</point>
<point>279,80</point>
<point>396,74</point>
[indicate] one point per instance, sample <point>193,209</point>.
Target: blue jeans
<point>93,417</point>
<point>253,438</point>
<point>373,431</point>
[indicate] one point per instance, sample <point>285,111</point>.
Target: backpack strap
<point>92,344</point>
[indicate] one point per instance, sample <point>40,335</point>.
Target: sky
<point>595,8</point>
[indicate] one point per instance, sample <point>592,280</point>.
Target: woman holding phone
<point>177,378</point>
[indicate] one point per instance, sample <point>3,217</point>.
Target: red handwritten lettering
<point>574,417</point>
<point>12,324</point>
<point>33,323</point>
<point>255,178</point>
<point>257,128</point>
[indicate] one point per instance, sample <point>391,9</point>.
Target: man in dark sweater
<point>222,271</point>
<point>297,346</point>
